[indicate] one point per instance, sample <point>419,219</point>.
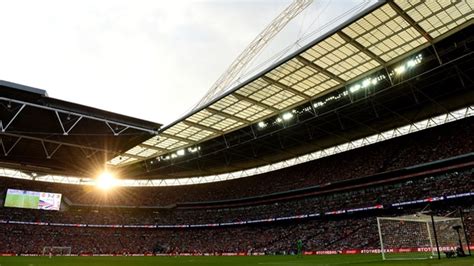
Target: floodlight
<point>287,116</point>
<point>411,63</point>
<point>374,81</point>
<point>318,104</point>
<point>180,152</point>
<point>278,120</point>
<point>366,83</point>
<point>262,124</point>
<point>400,70</point>
<point>354,88</point>
<point>194,149</point>
<point>106,181</point>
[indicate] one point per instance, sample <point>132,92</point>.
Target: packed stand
<point>437,143</point>
<point>446,184</point>
<point>340,233</point>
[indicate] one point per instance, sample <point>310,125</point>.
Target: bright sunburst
<point>106,181</point>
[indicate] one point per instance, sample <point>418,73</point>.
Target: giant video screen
<point>32,200</point>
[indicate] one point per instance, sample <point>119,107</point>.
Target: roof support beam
<point>3,128</point>
<point>359,46</point>
<point>117,131</point>
<point>226,115</point>
<point>66,131</point>
<point>201,127</point>
<point>57,142</point>
<point>100,119</point>
<point>410,21</point>
<point>312,65</point>
<point>254,102</point>
<point>285,87</point>
<point>133,156</point>
<point>166,135</point>
<point>152,147</point>
<point>48,153</point>
<point>6,150</point>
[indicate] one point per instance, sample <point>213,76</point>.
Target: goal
<point>420,236</point>
<point>56,251</point>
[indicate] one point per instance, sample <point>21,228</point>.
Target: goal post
<point>419,236</point>
<point>56,251</point>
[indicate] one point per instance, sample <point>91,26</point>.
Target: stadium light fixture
<point>262,124</point>
<point>106,181</point>
<point>318,104</point>
<point>194,149</point>
<point>411,63</point>
<point>366,83</point>
<point>180,152</point>
<point>400,70</point>
<point>355,88</point>
<point>287,116</point>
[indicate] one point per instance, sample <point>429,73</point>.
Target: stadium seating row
<point>434,144</point>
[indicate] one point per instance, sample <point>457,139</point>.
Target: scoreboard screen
<point>32,200</point>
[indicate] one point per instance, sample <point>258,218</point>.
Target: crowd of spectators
<point>437,143</point>
<point>449,183</point>
<point>326,232</point>
<point>321,234</point>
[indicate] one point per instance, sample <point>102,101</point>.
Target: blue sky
<point>148,59</point>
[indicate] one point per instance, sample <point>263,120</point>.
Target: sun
<point>106,181</point>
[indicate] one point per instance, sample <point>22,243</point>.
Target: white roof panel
<point>387,32</point>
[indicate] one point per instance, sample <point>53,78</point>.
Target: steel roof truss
<point>202,127</point>
<point>319,69</point>
<point>23,103</point>
<point>285,87</point>
<point>177,138</point>
<point>66,132</point>
<point>48,153</point>
<point>11,120</point>
<point>360,47</point>
<point>410,21</point>
<point>6,151</point>
<point>117,131</point>
<point>226,115</point>
<point>252,101</point>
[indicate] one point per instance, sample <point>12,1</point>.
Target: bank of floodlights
<point>366,83</point>
<point>407,65</point>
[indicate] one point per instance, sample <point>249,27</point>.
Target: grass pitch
<point>320,260</point>
<point>22,201</point>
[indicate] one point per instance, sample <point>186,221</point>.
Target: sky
<point>148,59</point>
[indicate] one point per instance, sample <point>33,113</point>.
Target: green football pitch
<point>22,201</point>
<point>328,260</point>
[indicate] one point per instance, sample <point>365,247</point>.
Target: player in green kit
<point>300,248</point>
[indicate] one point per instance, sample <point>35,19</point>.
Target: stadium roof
<point>44,134</point>
<point>369,42</point>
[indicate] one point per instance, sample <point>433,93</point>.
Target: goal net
<point>56,251</point>
<point>419,236</point>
